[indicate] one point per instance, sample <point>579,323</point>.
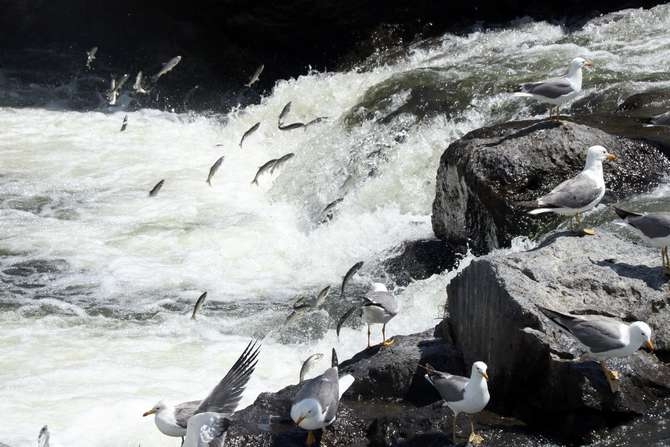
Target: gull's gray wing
<point>576,192</point>
<point>551,88</point>
<point>654,225</point>
<point>184,411</point>
<point>206,430</point>
<point>227,394</point>
<point>325,389</point>
<point>386,300</point>
<point>450,387</point>
<point>597,333</point>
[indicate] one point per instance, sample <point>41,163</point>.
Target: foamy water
<point>98,278</point>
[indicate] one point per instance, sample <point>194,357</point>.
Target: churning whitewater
<point>99,279</point>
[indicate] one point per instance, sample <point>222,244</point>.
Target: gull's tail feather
<point>522,94</point>
<point>333,361</point>
<point>344,383</point>
<point>561,319</point>
<point>625,214</point>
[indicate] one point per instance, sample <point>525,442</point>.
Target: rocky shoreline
<point>540,394</point>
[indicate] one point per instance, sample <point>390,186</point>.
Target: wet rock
<point>493,317</point>
<point>421,259</point>
<point>646,104</point>
<point>484,176</point>
<point>393,372</point>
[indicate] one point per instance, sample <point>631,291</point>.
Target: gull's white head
<point>479,370</point>
<point>160,406</point>
<point>640,334</point>
<point>598,154</point>
<point>379,287</point>
<point>308,414</point>
<point>578,63</point>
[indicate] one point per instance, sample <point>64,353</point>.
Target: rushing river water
<point>97,279</point>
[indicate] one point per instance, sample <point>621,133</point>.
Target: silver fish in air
<point>255,76</point>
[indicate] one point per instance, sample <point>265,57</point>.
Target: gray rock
<point>417,260</point>
<point>484,176</point>
<point>494,318</point>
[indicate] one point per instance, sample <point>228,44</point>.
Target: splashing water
<point>98,279</point>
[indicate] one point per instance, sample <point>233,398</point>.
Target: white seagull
<point>379,307</point>
<point>462,394</point>
<point>604,338</point>
<point>655,230</point>
<point>315,405</point>
<point>557,91</point>
<point>222,400</point>
<point>580,193</point>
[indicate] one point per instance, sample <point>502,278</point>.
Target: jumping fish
<point>115,88</point>
<point>43,438</point>
<point>344,318</point>
<point>90,57</point>
<point>280,161</point>
<point>137,86</point>
<point>315,121</point>
<point>213,169</point>
<point>309,364</point>
<point>256,75</point>
<point>198,304</point>
<point>290,126</point>
<point>156,188</point>
<point>297,310</point>
<point>327,212</point>
<point>169,65</point>
<point>321,297</point>
<point>354,268</point>
<point>125,123</point>
<point>251,130</point>
<point>283,113</point>
<point>262,170</point>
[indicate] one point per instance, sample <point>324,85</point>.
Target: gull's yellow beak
<point>486,376</point>
<point>299,421</point>
<point>649,345</point>
<point>611,157</point>
<point>588,64</point>
<point>152,411</point>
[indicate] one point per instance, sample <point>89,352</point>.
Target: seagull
<point>315,405</point>
<point>557,91</point>
<point>655,229</point>
<point>580,193</point>
<point>223,399</point>
<point>379,307</point>
<point>603,337</point>
<point>462,394</point>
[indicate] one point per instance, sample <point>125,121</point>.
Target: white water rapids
<point>97,279</point>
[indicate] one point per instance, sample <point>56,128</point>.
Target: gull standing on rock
<point>655,230</point>
<point>221,402</point>
<point>315,405</point>
<point>603,337</point>
<point>380,307</point>
<point>580,193</point>
<point>462,394</point>
<point>557,91</point>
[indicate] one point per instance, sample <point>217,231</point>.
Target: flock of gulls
<point>314,407</point>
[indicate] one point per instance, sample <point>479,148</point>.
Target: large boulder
<point>493,317</point>
<point>484,176</point>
